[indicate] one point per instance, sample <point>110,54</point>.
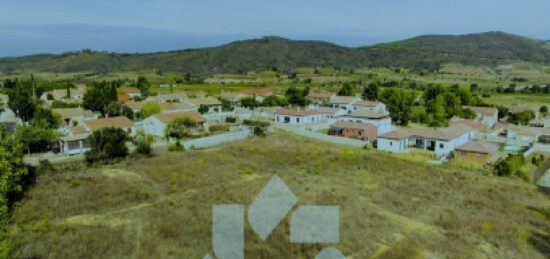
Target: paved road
<point>320,136</point>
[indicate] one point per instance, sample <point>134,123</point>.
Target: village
<point>349,120</point>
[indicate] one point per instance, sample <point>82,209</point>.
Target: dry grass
<point>160,207</point>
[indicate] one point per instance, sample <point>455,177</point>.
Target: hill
<point>161,207</point>
<point>252,55</point>
<point>489,48</point>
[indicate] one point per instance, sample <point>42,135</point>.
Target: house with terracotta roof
<point>156,124</point>
<point>131,91</point>
<point>320,96</point>
<point>487,115</point>
<point>441,141</point>
<point>123,98</point>
<point>477,151</point>
<point>343,102</point>
<point>74,144</point>
<point>72,116</point>
<point>213,104</point>
<point>362,131</point>
<point>297,116</point>
<point>116,122</point>
<point>382,121</point>
<point>372,106</point>
<point>176,97</point>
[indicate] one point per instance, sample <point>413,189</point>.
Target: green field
<point>521,101</point>
<point>160,207</point>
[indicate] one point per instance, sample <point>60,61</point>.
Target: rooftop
<point>171,116</point>
<point>296,112</point>
<point>448,133</point>
<point>353,125</point>
<point>343,99</point>
<point>204,101</point>
<point>117,122</point>
<point>479,147</point>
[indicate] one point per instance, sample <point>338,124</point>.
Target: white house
<point>343,102</point>
<point>213,104</point>
<point>74,115</point>
<point>487,115</point>
<point>372,106</point>
<point>156,124</point>
<point>441,141</point>
<point>381,120</point>
<point>74,144</point>
<point>297,116</point>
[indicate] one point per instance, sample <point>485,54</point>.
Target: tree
<point>179,128</point>
<point>36,139</point>
<point>68,87</point>
<point>119,109</point>
<point>399,102</point>
<point>150,109</point>
<point>296,96</point>
<point>13,173</point>
<point>143,85</point>
<point>143,144</point>
<point>522,118</point>
<point>227,106</point>
<point>203,109</point>
<point>22,100</point>
<point>45,118</point>
<point>371,91</point>
<point>99,96</point>
<point>249,102</point>
<point>543,109</point>
<point>346,90</point>
<point>439,116</point>
<point>107,144</point>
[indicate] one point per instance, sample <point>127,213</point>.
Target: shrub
<point>219,128</point>
<point>175,147</point>
<point>259,131</point>
<point>254,123</point>
<point>231,119</point>
<point>143,147</point>
<point>107,144</point>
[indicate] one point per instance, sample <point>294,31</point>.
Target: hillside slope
<point>161,207</point>
<point>486,48</point>
<point>252,55</point>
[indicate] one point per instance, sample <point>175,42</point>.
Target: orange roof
<point>117,122</point>
<point>124,97</point>
<point>171,116</point>
<point>131,90</point>
<point>294,112</point>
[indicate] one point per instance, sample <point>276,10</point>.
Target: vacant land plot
<point>160,207</point>
<point>520,101</point>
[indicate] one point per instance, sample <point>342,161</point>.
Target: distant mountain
<point>250,55</point>
<point>485,48</point>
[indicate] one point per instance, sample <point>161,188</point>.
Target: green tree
<point>99,96</point>
<point>150,109</point>
<point>143,85</point>
<point>13,173</point>
<point>180,128</point>
<point>249,102</point>
<point>119,109</point>
<point>22,100</point>
<point>35,138</point>
<point>543,109</point>
<point>439,115</point>
<point>371,91</point>
<point>227,106</point>
<point>296,96</point>
<point>107,144</point>
<point>68,87</point>
<point>399,102</point>
<point>346,90</point>
<point>203,109</point>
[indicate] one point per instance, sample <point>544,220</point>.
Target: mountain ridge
<point>426,51</point>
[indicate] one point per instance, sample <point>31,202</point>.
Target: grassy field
<point>524,101</point>
<point>160,207</point>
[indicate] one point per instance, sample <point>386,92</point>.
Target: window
<point>391,143</point>
<point>441,145</point>
<point>74,145</point>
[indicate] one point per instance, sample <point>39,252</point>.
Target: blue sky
<point>32,26</point>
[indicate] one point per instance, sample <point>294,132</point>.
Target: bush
<point>231,119</point>
<point>254,123</point>
<point>219,128</point>
<point>143,147</point>
<point>107,144</point>
<point>259,131</point>
<point>175,147</point>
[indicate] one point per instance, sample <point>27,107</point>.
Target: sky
<point>55,26</point>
